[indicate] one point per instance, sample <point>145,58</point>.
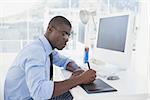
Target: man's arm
<point>64,86</point>
<point>72,66</point>
<point>62,61</point>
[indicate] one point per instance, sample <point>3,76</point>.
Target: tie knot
<point>51,56</point>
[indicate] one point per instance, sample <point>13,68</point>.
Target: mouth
<point>65,44</point>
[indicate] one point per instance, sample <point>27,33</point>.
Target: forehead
<point>64,27</point>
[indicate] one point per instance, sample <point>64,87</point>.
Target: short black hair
<point>59,20</point>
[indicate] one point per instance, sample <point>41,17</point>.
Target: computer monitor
<point>114,40</point>
<point>81,37</point>
<point>81,33</point>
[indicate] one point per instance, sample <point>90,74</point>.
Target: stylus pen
<point>88,65</point>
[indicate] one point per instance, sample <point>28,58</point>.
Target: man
<point>30,76</point>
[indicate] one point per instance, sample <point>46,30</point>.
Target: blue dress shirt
<point>30,72</point>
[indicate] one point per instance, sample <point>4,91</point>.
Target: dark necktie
<point>51,66</point>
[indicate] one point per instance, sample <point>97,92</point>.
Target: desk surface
<point>130,86</point>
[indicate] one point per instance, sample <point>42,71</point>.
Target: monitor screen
<point>112,33</point>
<point>81,33</point>
<point>113,43</point>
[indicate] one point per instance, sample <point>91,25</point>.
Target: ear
<point>49,28</point>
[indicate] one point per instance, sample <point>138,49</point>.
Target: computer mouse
<point>114,77</point>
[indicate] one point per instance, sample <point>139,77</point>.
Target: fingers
<point>91,71</point>
<point>88,76</point>
<point>78,72</point>
<point>89,81</point>
<point>75,74</point>
<point>78,69</point>
<point>92,78</point>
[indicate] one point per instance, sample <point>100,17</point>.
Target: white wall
<point>149,51</point>
<point>143,43</point>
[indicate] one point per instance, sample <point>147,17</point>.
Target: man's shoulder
<point>34,48</point>
<point>34,45</point>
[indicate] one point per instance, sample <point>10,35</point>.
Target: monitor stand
<point>98,62</point>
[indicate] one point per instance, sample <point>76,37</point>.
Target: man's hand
<point>77,72</point>
<point>73,67</point>
<point>87,76</point>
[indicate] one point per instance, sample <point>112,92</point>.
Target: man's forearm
<point>61,87</point>
<point>72,66</point>
<point>64,86</point>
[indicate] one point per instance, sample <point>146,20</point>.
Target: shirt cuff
<point>45,92</point>
<point>68,60</point>
<point>51,90</point>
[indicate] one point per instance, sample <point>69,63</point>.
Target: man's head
<point>58,32</point>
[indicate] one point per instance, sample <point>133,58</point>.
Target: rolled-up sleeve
<point>39,86</point>
<point>60,60</point>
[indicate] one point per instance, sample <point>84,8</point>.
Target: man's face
<point>60,36</point>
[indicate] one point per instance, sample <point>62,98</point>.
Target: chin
<point>60,48</point>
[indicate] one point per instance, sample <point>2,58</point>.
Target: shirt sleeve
<point>38,85</point>
<point>60,60</point>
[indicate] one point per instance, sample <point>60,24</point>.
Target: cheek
<point>59,41</point>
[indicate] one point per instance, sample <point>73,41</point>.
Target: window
<point>22,22</point>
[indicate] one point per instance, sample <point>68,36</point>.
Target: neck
<point>49,41</point>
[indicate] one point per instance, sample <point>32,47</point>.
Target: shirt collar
<point>46,44</point>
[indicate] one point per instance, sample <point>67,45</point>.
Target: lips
<point>65,44</point>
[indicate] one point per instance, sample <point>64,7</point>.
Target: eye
<point>67,33</point>
<point>63,34</point>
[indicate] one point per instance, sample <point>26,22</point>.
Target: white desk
<point>130,86</point>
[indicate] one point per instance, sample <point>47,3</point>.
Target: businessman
<point>31,74</point>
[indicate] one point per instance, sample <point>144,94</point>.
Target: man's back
<point>15,83</point>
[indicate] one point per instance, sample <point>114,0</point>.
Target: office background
<point>22,21</point>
